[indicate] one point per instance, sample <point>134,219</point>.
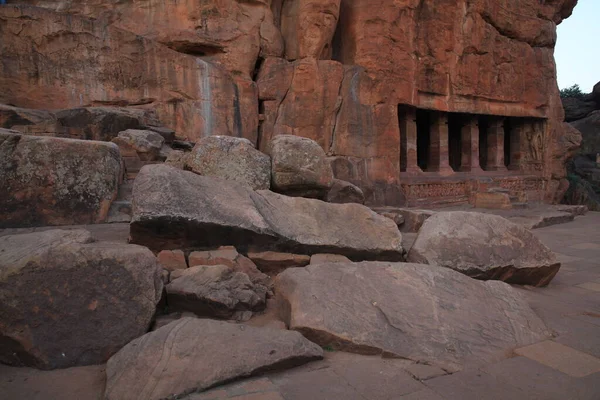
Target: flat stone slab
<point>563,358</point>
<point>174,209</point>
<point>420,312</point>
<point>484,246</point>
<point>191,355</point>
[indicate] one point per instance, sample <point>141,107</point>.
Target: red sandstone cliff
<point>331,70</point>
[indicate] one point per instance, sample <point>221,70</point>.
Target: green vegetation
<point>573,91</point>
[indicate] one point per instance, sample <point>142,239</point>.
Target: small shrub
<point>573,91</point>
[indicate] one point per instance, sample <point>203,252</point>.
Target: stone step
<point>120,211</point>
<point>135,167</point>
<point>516,205</point>
<point>125,190</point>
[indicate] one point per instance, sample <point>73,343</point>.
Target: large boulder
<point>230,158</point>
<point>423,313</point>
<point>215,291</point>
<point>174,209</point>
<point>344,192</point>
<point>147,144</point>
<point>299,167</point>
<point>66,301</point>
<point>52,181</point>
<point>192,355</point>
<point>484,246</point>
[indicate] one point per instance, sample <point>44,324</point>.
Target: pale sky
<point>578,48</point>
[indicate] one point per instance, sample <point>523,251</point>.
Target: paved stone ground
<point>564,368</point>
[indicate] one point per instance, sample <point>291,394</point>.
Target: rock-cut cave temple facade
<point>418,102</point>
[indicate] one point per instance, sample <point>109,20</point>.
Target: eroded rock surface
<point>175,209</point>
<point>66,301</point>
<point>191,355</point>
<point>424,313</point>
<point>53,181</point>
<point>106,65</point>
<point>484,246</point>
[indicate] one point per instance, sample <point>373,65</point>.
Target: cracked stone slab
<point>66,300</point>
<point>174,209</point>
<point>192,355</point>
<point>423,313</point>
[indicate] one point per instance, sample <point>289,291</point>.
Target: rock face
<point>117,67</point>
<point>578,108</point>
<point>299,98</point>
<point>584,180</point>
<point>364,80</point>
<point>201,354</point>
<point>590,131</point>
<point>230,158</point>
<point>484,246</point>
<point>299,167</point>
<point>215,291</point>
<point>228,33</point>
<point>52,181</point>
<point>65,301</point>
<point>424,313</point>
<point>178,209</point>
<point>308,27</point>
<point>90,123</point>
<point>583,168</point>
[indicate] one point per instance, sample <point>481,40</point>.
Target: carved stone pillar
<point>408,141</point>
<point>438,149</point>
<point>516,148</point>
<point>470,146</point>
<point>495,145</point>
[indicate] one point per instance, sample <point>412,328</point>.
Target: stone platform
<point>565,367</point>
